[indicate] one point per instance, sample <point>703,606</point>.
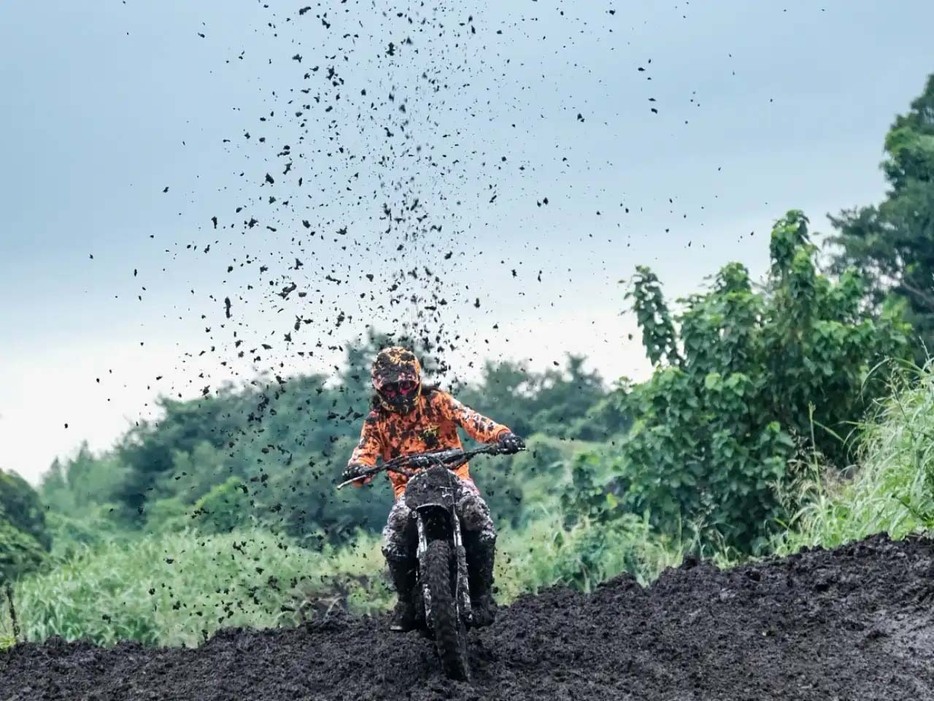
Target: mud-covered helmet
<point>396,377</point>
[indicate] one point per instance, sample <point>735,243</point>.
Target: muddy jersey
<point>431,425</point>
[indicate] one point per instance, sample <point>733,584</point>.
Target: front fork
<point>462,588</point>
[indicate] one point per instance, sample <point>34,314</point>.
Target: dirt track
<point>850,624</point>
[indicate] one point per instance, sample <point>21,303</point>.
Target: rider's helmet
<point>396,377</point>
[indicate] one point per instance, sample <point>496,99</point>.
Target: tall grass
<point>891,490</point>
<point>177,589</point>
<point>546,554</point>
<point>7,639</point>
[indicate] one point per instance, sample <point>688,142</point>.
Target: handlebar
<point>407,464</point>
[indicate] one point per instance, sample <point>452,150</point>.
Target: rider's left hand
<point>356,470</point>
<point>511,443</point>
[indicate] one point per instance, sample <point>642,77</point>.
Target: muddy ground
<point>855,623</point>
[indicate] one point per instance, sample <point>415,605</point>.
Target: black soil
<point>854,623</point>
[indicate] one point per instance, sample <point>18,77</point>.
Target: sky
<point>109,281</point>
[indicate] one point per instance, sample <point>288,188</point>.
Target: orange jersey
<point>431,425</point>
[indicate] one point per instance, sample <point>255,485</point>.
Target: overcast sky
<point>759,108</point>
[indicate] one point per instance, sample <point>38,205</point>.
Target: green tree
<point>20,553</point>
<point>22,508</point>
<point>506,393</point>
<point>150,448</point>
<point>286,439</point>
<point>893,243</point>
<point>76,487</point>
<point>225,508</point>
<point>564,402</point>
<point>24,537</point>
<point>741,378</point>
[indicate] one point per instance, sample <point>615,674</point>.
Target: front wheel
<point>446,625</point>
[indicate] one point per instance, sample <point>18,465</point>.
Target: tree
<point>76,486</point>
<point>285,441</point>
<point>892,244</point>
<point>20,553</point>
<point>21,507</point>
<point>573,403</point>
<point>225,508</point>
<point>150,449</point>
<point>24,537</point>
<point>741,378</point>
<point>564,402</point>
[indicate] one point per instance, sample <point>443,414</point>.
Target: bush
<point>520,488</point>
<point>20,553</point>
<point>22,508</point>
<point>225,508</point>
<point>892,489</point>
<point>71,534</point>
<point>741,384</point>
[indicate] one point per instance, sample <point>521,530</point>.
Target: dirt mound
<point>853,623</point>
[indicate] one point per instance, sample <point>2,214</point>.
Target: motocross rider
<point>407,417</point>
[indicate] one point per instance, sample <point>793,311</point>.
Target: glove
<point>356,470</point>
<point>511,443</point>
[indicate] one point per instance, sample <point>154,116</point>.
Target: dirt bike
<point>441,593</point>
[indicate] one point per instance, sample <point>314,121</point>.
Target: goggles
<point>403,388</point>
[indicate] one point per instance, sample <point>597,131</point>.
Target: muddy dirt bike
<point>441,592</point>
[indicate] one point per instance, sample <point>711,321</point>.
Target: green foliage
<point>172,515</point>
<point>745,376</point>
<point>177,589</point>
<point>21,507</point>
<point>893,489</point>
<point>893,243</point>
<point>72,533</point>
<point>150,449</point>
<point>74,487</point>
<point>8,629</point>
<point>284,441</point>
<point>589,496</point>
<point>225,508</point>
<point>549,553</point>
<point>522,488</point>
<point>24,537</point>
<point>567,402</point>
<point>20,553</point>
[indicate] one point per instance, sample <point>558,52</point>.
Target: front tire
<point>449,632</point>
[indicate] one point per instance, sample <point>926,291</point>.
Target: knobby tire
<point>449,631</point>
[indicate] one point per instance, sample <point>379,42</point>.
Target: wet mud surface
<point>854,623</point>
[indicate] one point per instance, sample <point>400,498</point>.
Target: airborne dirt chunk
<point>854,623</point>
